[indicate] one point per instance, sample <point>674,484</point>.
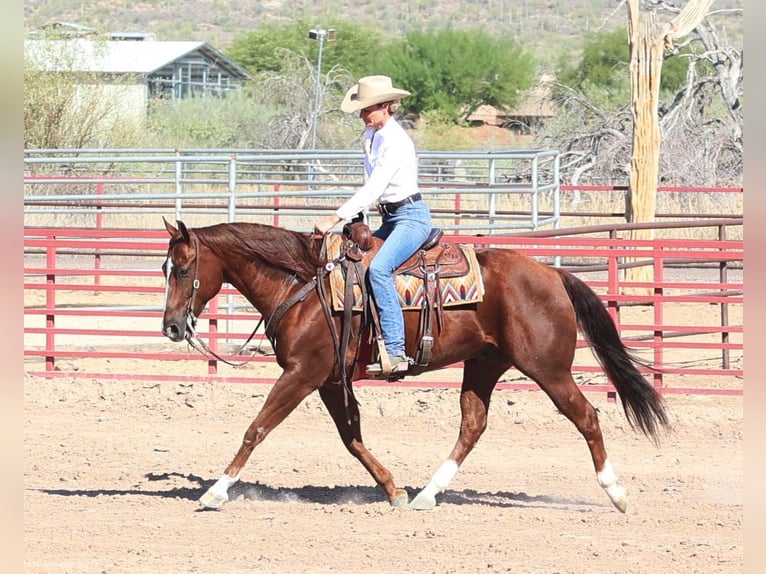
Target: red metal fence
<point>93,307</point>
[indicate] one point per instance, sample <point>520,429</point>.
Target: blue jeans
<point>404,232</point>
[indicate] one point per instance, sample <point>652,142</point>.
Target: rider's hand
<point>324,225</point>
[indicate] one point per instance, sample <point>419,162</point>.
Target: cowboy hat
<point>370,90</point>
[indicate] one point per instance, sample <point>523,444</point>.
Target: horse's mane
<point>289,250</point>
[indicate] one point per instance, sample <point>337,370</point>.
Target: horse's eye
<point>182,273</point>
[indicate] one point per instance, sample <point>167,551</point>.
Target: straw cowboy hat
<point>370,90</point>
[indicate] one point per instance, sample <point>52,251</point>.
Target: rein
<point>191,320</point>
<point>276,315</point>
<point>316,283</point>
<point>340,345</point>
<point>199,345</point>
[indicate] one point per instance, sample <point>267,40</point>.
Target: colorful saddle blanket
<point>454,290</point>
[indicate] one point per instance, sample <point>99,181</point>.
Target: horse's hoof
<point>400,499</point>
<point>619,496</point>
<point>621,503</point>
<point>213,500</point>
<point>423,501</point>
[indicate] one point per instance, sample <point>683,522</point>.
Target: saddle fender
<point>431,262</point>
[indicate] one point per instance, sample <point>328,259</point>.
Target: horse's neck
<point>264,287</point>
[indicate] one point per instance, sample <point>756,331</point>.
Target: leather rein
<point>315,283</point>
<point>192,337</point>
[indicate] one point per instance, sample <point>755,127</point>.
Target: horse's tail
<point>641,402</point>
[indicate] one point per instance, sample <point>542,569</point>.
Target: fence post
<point>50,302</point>
<point>491,198</point>
<point>613,282</point>
<point>232,217</point>
<point>276,206</point>
<point>458,207</point>
<point>232,188</point>
<point>612,289</point>
<point>723,277</point>
<point>99,226</point>
<point>179,185</point>
<point>659,316</point>
<point>535,207</point>
<point>212,363</point>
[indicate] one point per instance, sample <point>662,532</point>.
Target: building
<point>525,117</point>
<point>139,70</point>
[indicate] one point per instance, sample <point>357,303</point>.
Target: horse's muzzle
<point>174,331</point>
<point>181,329</point>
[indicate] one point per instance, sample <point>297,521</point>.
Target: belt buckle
<point>390,208</point>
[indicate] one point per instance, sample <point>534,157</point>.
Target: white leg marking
<point>426,499</point>
<point>217,494</point>
<point>607,478</point>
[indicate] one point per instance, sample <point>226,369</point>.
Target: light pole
<point>320,35</point>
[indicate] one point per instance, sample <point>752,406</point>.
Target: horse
<point>528,319</point>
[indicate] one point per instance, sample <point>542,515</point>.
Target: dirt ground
<point>113,471</point>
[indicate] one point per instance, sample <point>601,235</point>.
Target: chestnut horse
<point>528,319</point>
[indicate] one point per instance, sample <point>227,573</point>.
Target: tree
<point>455,71</point>
<point>236,121</point>
<point>649,39</point>
<point>274,111</point>
<point>700,119</point>
<point>449,72</point>
<point>291,93</point>
<point>714,71</point>
<point>603,63</point>
<point>353,49</point>
<point>66,108</point>
<point>603,69</point>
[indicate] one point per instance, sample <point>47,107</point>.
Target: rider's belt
<point>390,208</point>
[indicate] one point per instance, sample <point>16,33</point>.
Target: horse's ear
<point>183,230</point>
<point>169,226</point>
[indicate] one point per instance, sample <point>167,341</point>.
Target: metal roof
<point>120,57</point>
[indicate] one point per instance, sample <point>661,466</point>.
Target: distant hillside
<point>548,28</point>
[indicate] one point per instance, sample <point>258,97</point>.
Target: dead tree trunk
<point>648,40</point>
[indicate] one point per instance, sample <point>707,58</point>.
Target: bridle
<point>191,336</point>
<point>191,318</point>
<point>316,283</point>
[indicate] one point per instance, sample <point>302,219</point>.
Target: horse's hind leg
<point>568,398</point>
<point>347,422</point>
<point>479,380</point>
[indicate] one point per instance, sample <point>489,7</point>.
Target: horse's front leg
<point>347,422</point>
<point>286,394</point>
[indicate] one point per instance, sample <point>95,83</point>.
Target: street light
<point>320,35</point>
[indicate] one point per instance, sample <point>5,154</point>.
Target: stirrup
<point>399,364</point>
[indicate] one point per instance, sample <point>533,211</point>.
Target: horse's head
<point>191,280</point>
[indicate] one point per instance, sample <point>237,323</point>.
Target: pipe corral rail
<point>94,244</point>
<point>76,321</point>
<point>466,190</point>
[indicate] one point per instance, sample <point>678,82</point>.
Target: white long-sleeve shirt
<point>390,162</point>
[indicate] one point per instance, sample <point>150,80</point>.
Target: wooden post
<point>648,40</point>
